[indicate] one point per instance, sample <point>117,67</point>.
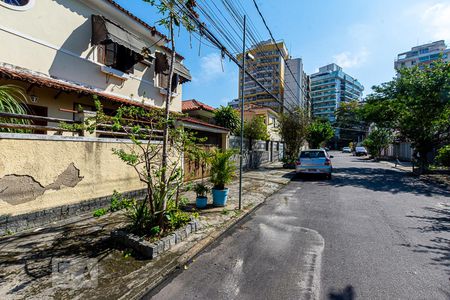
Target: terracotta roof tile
<point>39,79</point>
<point>190,105</point>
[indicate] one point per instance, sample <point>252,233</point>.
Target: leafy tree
<point>319,133</point>
<point>349,120</point>
<point>256,129</point>
<point>172,17</point>
<point>416,104</point>
<point>377,140</point>
<point>227,117</point>
<point>293,129</point>
<point>443,156</point>
<point>159,210</point>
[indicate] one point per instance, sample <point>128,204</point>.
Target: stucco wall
<point>39,174</point>
<point>53,37</point>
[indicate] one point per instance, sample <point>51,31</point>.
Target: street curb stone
<point>153,250</point>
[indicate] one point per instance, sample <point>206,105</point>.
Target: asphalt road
<point>371,232</point>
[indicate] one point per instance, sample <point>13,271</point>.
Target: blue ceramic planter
<point>201,202</point>
<point>220,197</point>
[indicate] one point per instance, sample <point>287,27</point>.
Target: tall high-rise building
<point>422,55</point>
<point>331,86</point>
<point>296,81</point>
<point>269,68</point>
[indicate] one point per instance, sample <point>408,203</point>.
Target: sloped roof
<point>140,21</point>
<point>143,23</point>
<point>42,80</point>
<point>200,122</point>
<point>190,105</point>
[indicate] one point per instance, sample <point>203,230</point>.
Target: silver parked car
<point>346,150</point>
<point>314,161</point>
<point>360,151</point>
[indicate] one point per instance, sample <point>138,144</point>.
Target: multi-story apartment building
<point>331,86</point>
<point>288,83</point>
<point>269,68</point>
<point>296,91</point>
<point>422,55</point>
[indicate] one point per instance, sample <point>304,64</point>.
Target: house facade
<point>63,53</point>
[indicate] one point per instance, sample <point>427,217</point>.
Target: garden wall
<point>262,152</point>
<point>40,172</point>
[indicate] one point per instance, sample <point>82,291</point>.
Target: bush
<point>319,133</point>
<point>100,212</point>
<point>256,129</point>
<point>443,157</point>
<point>227,117</point>
<point>223,169</point>
<point>377,140</point>
<point>118,202</point>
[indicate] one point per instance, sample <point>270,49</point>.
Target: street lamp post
<point>242,115</point>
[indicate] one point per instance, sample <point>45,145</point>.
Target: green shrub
<point>443,157</point>
<point>100,212</point>
<point>223,169</point>
<point>139,217</point>
<point>118,202</point>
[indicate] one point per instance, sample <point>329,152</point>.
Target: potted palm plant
<point>223,170</point>
<point>202,199</point>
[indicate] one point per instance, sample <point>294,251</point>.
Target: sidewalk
<point>403,165</point>
<point>30,260</point>
<point>437,178</point>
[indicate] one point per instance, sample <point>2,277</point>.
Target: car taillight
<point>327,162</point>
<point>298,163</point>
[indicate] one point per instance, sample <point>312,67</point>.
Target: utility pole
<point>242,115</point>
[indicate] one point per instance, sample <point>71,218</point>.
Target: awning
<point>162,65</point>
<point>183,72</point>
<point>104,31</point>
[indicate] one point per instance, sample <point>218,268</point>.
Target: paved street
<point>372,232</point>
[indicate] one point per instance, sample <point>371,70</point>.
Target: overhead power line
<point>274,41</point>
<point>205,31</point>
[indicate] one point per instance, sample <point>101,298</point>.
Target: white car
<point>314,161</point>
<point>360,151</point>
<point>346,150</point>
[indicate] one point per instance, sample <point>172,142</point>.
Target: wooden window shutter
<point>101,54</point>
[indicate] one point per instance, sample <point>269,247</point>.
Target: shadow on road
<point>348,293</point>
<point>438,222</point>
<point>385,180</point>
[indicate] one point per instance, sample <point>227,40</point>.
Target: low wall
<point>39,172</point>
<point>262,152</point>
<point>402,151</point>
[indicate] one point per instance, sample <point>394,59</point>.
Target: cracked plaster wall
<point>36,175</point>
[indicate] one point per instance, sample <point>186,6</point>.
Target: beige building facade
<point>62,53</point>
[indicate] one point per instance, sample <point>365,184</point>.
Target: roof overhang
<point>198,125</point>
<point>42,80</point>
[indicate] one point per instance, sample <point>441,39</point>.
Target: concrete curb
<point>186,258</point>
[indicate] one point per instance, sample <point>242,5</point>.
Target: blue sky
<point>364,37</point>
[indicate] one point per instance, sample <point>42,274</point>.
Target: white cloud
<point>349,59</point>
<point>210,68</point>
<point>436,18</point>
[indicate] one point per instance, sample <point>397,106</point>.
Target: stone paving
<point>76,260</point>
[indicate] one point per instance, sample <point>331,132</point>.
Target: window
<point>17,4</point>
<point>118,57</point>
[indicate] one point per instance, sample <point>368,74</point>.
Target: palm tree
<point>13,99</point>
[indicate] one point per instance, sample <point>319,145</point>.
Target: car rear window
<point>312,154</point>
